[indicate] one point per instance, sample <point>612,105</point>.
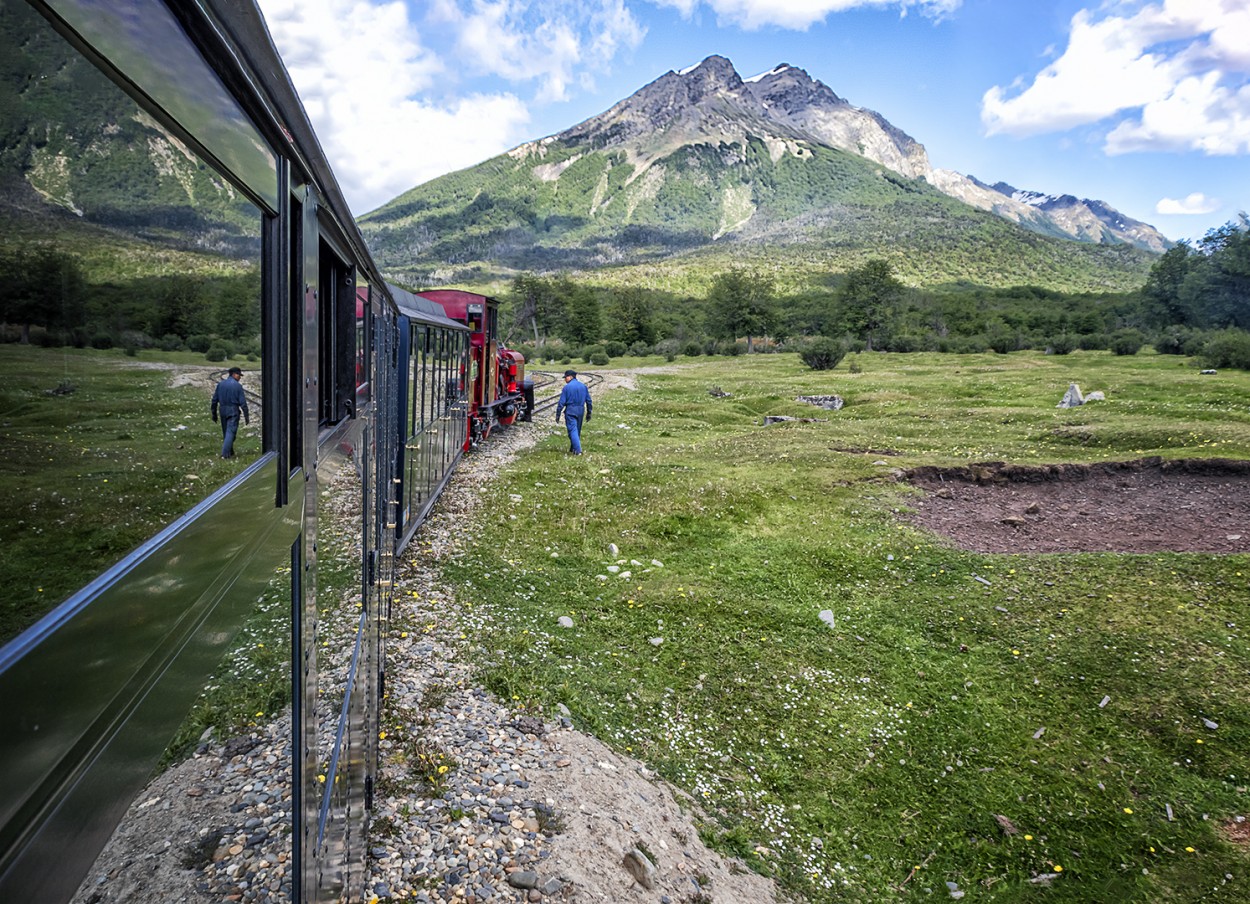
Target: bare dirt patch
<point>1142,506</point>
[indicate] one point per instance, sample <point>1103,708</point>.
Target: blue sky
<point>1144,104</point>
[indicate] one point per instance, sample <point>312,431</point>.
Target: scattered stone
<point>717,392</point>
<point>565,622</point>
<point>1103,702</point>
<point>1096,396</point>
<point>1072,398</point>
<point>1015,520</point>
<point>1211,726</point>
<point>640,867</point>
<point>785,418</point>
<point>523,879</point>
<point>613,551</point>
<point>1038,734</point>
<point>1044,878</point>
<point>826,616</point>
<point>828,402</point>
<point>1209,370</point>
<point>955,892</point>
<point>1006,825</point>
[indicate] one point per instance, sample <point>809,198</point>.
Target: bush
<point>101,340</point>
<point>615,349</point>
<point>1195,345</point>
<point>1126,342</point>
<point>639,349</point>
<point>600,358</point>
<point>908,342</point>
<point>171,343</point>
<point>591,351</point>
<point>668,347</point>
<point>1063,344</point>
<point>199,343</point>
<point>1228,348</point>
<point>216,353</point>
<point>1092,342</point>
<point>823,354</point>
<point>692,349</point>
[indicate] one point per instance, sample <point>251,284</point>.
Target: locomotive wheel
<point>509,420</point>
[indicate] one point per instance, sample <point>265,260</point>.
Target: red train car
<point>498,392</point>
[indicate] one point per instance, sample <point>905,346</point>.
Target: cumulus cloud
<point>1195,203</point>
<point>553,43</point>
<point>800,14</point>
<point>394,105</point>
<point>1176,74</point>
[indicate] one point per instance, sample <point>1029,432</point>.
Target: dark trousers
<point>574,424</point>
<point>229,429</point>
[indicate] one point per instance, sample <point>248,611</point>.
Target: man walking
<point>230,398</point>
<point>576,406</point>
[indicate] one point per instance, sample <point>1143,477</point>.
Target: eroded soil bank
<point>1144,505</point>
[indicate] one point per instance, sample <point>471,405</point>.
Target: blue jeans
<point>229,429</point>
<point>574,424</point>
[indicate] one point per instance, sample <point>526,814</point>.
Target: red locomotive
<point>498,392</point>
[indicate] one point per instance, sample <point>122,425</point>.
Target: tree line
<point>1195,301</point>
<point>47,299</point>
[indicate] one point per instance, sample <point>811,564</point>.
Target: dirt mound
<point>1146,505</point>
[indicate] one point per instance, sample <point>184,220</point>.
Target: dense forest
<point>1195,302</point>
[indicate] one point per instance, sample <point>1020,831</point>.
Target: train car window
<point>131,275</point>
<point>362,345</point>
<point>336,332</point>
<point>147,45</point>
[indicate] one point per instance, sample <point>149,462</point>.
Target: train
<point>165,136</point>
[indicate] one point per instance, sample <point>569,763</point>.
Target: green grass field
<point>871,757</point>
<point>98,452</point>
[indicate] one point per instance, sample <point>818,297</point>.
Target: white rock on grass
<point>826,616</point>
<point>565,621</point>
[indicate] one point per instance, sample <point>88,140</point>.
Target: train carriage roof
<point>422,310</point>
<point>455,302</point>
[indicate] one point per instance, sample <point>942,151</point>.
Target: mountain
<point>1062,215</point>
<point>701,169</point>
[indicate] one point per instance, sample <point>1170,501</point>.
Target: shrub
<point>171,343</point>
<point>198,343</point>
<point>1091,342</point>
<point>639,349</point>
<point>216,353</point>
<point>1195,345</point>
<point>823,354</point>
<point>1228,348</point>
<point>615,349</point>
<point>667,347</point>
<point>1126,342</point>
<point>101,340</point>
<point>692,349</point>
<point>600,358</point>
<point>1063,344</point>
<point>590,351</point>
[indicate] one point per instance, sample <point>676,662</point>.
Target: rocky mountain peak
<point>792,90</point>
<point>714,75</point>
<point>710,105</point>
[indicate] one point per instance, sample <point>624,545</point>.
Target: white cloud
<point>1195,203</point>
<point>388,97</point>
<point>800,14</point>
<point>1177,72</point>
<point>554,43</point>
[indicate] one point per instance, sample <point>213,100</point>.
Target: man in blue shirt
<point>232,401</point>
<point>575,404</point>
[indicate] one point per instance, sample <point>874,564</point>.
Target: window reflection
<point>129,285</point>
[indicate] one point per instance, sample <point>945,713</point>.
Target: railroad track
<point>553,383</point>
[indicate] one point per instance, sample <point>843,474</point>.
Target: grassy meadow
<point>942,728</point>
<point>98,452</point>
